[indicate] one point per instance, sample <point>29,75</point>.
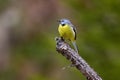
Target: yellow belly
<point>66,32</point>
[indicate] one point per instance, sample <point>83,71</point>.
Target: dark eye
<point>63,24</point>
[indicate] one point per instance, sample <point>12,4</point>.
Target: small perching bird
<point>67,31</point>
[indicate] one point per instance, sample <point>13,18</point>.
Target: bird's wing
<point>74,29</point>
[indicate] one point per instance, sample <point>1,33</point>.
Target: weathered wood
<point>63,48</point>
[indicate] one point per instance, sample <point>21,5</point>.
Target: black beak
<point>59,21</point>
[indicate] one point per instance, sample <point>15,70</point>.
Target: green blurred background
<point>27,38</point>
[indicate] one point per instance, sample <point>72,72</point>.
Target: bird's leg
<point>62,39</point>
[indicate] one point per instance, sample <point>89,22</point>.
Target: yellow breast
<point>66,32</point>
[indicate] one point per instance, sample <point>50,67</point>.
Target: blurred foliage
<point>3,4</point>
<point>98,40</point>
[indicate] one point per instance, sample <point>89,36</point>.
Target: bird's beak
<point>58,21</point>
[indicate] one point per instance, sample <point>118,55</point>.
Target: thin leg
<point>62,39</point>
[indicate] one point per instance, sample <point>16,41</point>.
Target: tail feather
<point>75,46</point>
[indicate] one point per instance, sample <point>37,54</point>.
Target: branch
<point>63,48</point>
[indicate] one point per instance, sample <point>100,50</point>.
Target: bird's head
<point>64,22</point>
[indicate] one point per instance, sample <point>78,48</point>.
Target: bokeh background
<point>27,38</point>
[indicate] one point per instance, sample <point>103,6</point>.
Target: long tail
<point>75,46</point>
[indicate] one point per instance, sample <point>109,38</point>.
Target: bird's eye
<point>63,24</point>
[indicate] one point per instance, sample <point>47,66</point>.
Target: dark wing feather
<point>74,29</point>
<point>75,32</point>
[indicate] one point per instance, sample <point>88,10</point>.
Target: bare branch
<point>76,60</point>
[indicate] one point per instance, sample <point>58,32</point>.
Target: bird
<point>67,31</point>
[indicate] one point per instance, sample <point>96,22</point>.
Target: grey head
<point>64,22</point>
